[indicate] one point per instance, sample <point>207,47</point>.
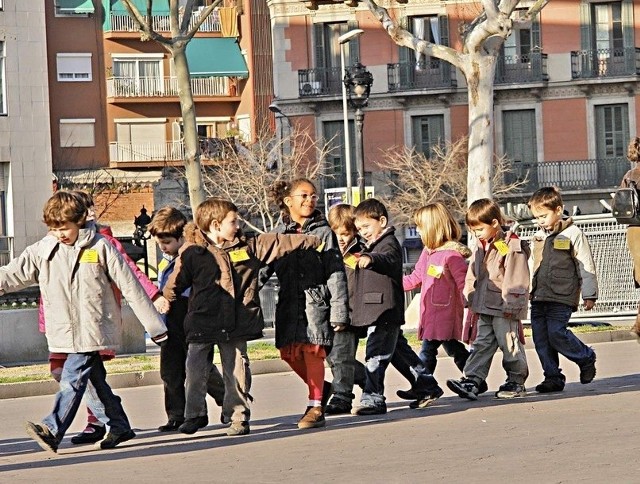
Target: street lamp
<point>358,81</point>
<point>343,39</point>
<point>274,108</point>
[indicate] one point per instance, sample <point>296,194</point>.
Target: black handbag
<point>626,204</point>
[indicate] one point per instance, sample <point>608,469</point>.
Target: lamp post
<point>274,108</point>
<point>343,39</point>
<point>358,82</point>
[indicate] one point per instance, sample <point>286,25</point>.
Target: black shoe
<point>337,406</point>
<point>465,388</point>
<point>170,426</point>
<point>482,388</point>
<point>588,371</point>
<point>510,390</point>
<point>371,409</point>
<point>43,436</point>
<point>428,400</point>
<point>111,440</point>
<point>192,425</point>
<point>90,435</point>
<point>549,386</point>
<point>409,394</point>
<point>327,391</point>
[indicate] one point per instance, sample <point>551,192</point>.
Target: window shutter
<point>628,37</point>
<point>318,34</point>
<point>586,37</point>
<point>405,55</point>
<point>536,42</point>
<point>443,24</point>
<point>354,44</point>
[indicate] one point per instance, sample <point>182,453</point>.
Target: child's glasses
<point>306,196</point>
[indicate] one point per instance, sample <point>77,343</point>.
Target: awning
<point>75,6</point>
<point>158,7</point>
<point>107,176</point>
<point>209,57</point>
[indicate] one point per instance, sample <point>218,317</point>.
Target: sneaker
<point>111,440</point>
<point>313,418</point>
<point>371,409</point>
<point>238,428</point>
<point>337,406</point>
<point>192,425</point>
<point>90,435</point>
<point>428,400</point>
<point>482,388</point>
<point>327,391</point>
<point>588,371</point>
<point>43,436</point>
<point>549,386</point>
<point>409,394</point>
<point>224,420</point>
<point>511,390</point>
<point>170,426</point>
<point>465,388</point>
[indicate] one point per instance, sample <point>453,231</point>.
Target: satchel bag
<point>626,204</point>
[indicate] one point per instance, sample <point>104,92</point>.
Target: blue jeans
<point>407,362</point>
<point>345,368</point>
<point>80,368</point>
<point>454,348</point>
<point>551,337</point>
<point>381,345</point>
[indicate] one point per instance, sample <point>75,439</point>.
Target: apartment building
<point>115,111</point>
<point>25,145</point>
<point>566,101</point>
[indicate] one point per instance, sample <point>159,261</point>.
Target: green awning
<point>159,7</point>
<point>218,56</point>
<point>75,6</point>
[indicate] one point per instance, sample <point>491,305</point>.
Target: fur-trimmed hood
<point>459,247</point>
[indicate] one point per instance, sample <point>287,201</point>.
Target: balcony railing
<point>598,63</point>
<point>324,81</point>
<point>570,174</point>
<point>160,23</point>
<point>434,74</point>
<point>527,68</point>
<point>6,249</point>
<point>167,87</point>
<point>210,149</point>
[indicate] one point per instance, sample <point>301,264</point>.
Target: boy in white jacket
<point>76,268</point>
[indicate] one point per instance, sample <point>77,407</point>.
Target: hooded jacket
<point>563,266</point>
<point>440,274</point>
<point>80,307</point>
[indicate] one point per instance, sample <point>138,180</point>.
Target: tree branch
<point>144,25</point>
<point>203,16</point>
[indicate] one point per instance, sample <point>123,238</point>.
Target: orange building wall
<point>125,207</point>
<point>459,122</point>
<point>383,130</point>
<point>560,27</point>
<point>565,130</point>
<point>299,34</point>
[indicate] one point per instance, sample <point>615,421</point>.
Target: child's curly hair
<point>282,189</point>
<point>633,151</point>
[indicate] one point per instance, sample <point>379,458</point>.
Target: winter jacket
<point>313,287</point>
<point>562,266</point>
<point>80,307</point>
<point>440,273</point>
<point>174,318</point>
<point>497,281</point>
<point>350,259</point>
<point>378,295</point>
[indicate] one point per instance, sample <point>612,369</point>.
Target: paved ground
<point>589,433</point>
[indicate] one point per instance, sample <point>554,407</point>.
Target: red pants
<point>307,360</point>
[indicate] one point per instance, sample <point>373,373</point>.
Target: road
<point>588,433</point>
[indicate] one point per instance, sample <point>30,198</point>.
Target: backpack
<point>626,204</point>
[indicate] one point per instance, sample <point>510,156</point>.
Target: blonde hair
<point>213,209</point>
<point>64,207</point>
<point>633,151</point>
<point>437,225</point>
<point>341,217</point>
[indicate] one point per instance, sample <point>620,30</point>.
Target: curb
<point>259,367</point>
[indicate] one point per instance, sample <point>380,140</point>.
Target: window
<point>612,130</point>
<point>140,76</point>
<point>77,133</point>
<point>73,67</point>
<point>144,139</point>
<point>432,28</point>
<point>333,133</point>
<point>73,8</point>
<point>428,132</point>
<point>521,145</point>
<point>326,78</point>
<point>3,92</point>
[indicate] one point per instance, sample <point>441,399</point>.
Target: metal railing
<point>319,82</point>
<point>162,151</point>
<point>597,63</point>
<point>160,22</point>
<point>531,67</point>
<point>6,249</point>
<point>435,74</point>
<point>570,174</point>
<point>165,87</point>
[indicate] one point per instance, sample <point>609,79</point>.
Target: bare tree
<point>245,174</point>
<point>183,26</point>
<point>482,39</point>
<point>415,180</point>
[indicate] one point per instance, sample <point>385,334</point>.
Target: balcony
<point>325,81</point>
<point>570,174</point>
<point>434,74</point>
<point>160,23</point>
<point>604,63</point>
<point>527,68</point>
<point>127,87</point>
<point>167,151</point>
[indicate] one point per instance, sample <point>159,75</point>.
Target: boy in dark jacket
<point>379,306</point>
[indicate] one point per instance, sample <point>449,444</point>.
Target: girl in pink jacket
<point>440,273</point>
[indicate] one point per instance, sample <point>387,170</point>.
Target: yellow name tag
<point>350,261</point>
<point>562,244</point>
<point>320,247</point>
<point>239,255</point>
<point>502,247</point>
<point>89,256</point>
<point>435,271</point>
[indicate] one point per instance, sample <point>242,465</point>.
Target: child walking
<point>562,268</point>
<point>167,228</point>
<point>313,294</point>
<point>75,268</point>
<point>440,273</point>
<point>497,291</point>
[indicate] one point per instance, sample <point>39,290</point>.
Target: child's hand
<point>162,305</point>
<point>588,304</point>
<point>339,327</point>
<point>364,261</point>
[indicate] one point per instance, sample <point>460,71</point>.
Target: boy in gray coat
<point>76,268</point>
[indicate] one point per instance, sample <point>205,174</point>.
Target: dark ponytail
<point>282,189</point>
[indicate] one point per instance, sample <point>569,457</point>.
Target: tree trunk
<point>479,71</point>
<point>189,126</point>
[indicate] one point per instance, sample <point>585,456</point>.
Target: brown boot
<point>312,419</point>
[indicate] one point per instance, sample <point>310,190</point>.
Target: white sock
<point>315,403</point>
